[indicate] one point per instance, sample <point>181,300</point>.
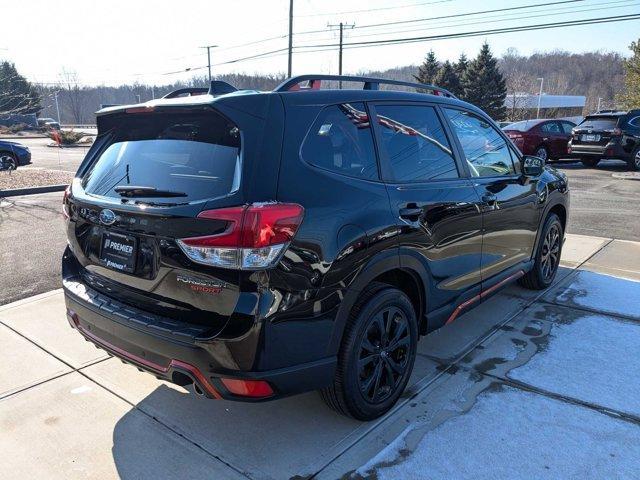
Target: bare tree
<point>75,96</point>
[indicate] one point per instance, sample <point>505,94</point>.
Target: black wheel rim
<point>550,252</point>
<point>384,354</point>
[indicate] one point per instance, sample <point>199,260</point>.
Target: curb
<point>22,137</point>
<point>16,192</point>
<point>627,175</point>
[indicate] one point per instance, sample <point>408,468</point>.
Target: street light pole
<point>599,100</point>
<point>55,96</point>
<point>539,97</point>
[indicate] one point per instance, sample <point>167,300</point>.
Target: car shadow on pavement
<point>298,436</point>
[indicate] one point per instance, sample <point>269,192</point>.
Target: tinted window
<point>415,143</point>
<point>486,152</point>
<point>567,127</point>
<point>196,154</point>
<point>340,140</point>
<point>521,126</point>
<point>635,122</point>
<point>550,127</point>
<point>600,123</point>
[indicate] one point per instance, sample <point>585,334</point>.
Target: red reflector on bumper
<point>248,388</point>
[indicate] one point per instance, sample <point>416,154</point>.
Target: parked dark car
<point>608,134</point>
<point>49,123</point>
<point>253,245</point>
<point>13,155</point>
<point>547,139</point>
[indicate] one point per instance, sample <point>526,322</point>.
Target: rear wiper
<point>138,191</point>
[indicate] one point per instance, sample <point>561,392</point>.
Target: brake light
<point>65,203</point>
<point>254,237</point>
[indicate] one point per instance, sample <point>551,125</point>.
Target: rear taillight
<point>65,202</point>
<point>255,236</point>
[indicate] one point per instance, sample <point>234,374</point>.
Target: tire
<point>8,161</point>
<point>543,153</point>
<point>547,256</point>
<point>634,161</point>
<point>361,361</point>
<point>590,162</point>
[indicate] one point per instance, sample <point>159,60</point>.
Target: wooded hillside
<point>593,74</point>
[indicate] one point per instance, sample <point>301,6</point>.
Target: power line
<point>495,10</point>
<point>374,9</point>
<point>502,18</point>
<point>521,28</point>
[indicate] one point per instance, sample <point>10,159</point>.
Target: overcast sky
<point>123,41</point>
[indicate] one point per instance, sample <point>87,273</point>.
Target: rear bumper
<point>611,150</point>
<point>174,352</point>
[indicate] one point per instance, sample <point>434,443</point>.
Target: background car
<point>13,154</point>
<point>608,134</point>
<point>544,138</point>
<point>49,123</point>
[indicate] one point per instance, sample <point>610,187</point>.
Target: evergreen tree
<point>448,78</point>
<point>461,66</point>
<point>17,95</point>
<point>429,68</point>
<point>630,97</point>
<point>484,86</point>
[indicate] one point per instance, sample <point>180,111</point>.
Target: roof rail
<point>187,92</point>
<point>370,83</point>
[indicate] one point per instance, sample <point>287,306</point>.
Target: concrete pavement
<point>506,390</point>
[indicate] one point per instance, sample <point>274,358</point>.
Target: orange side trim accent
<point>483,294</point>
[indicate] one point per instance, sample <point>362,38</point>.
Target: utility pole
<point>539,97</point>
<point>341,26</point>
<point>209,47</point>
<point>290,37</point>
<point>599,101</point>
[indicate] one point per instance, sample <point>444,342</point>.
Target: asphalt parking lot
<point>527,385</point>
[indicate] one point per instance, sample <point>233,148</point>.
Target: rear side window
<point>550,127</point>
<point>415,143</point>
<point>189,156</point>
<point>340,140</point>
<point>600,123</point>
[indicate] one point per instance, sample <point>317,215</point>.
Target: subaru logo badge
<point>107,217</point>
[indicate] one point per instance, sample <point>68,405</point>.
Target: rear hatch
<point>140,191</point>
<point>595,131</point>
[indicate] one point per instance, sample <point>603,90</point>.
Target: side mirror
<point>532,166</point>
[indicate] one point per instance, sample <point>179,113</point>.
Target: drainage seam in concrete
<point>611,412</point>
<point>616,315</point>
<point>484,338</point>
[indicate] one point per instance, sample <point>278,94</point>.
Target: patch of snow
<point>593,358</point>
<point>520,435</point>
<point>604,293</point>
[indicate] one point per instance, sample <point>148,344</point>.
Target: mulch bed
<point>24,178</point>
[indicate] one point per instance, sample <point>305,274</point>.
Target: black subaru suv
<point>253,245</point>
<point>607,134</point>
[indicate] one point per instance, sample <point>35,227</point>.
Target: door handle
<point>410,213</point>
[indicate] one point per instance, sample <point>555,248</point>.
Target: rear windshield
<point>520,126</point>
<point>599,123</point>
<point>191,156</point>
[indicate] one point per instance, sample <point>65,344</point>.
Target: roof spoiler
<point>217,88</point>
<point>370,83</point>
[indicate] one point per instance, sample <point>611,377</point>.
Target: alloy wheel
<point>7,162</point>
<point>636,160</point>
<point>384,354</point>
<point>542,153</point>
<point>550,252</point>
